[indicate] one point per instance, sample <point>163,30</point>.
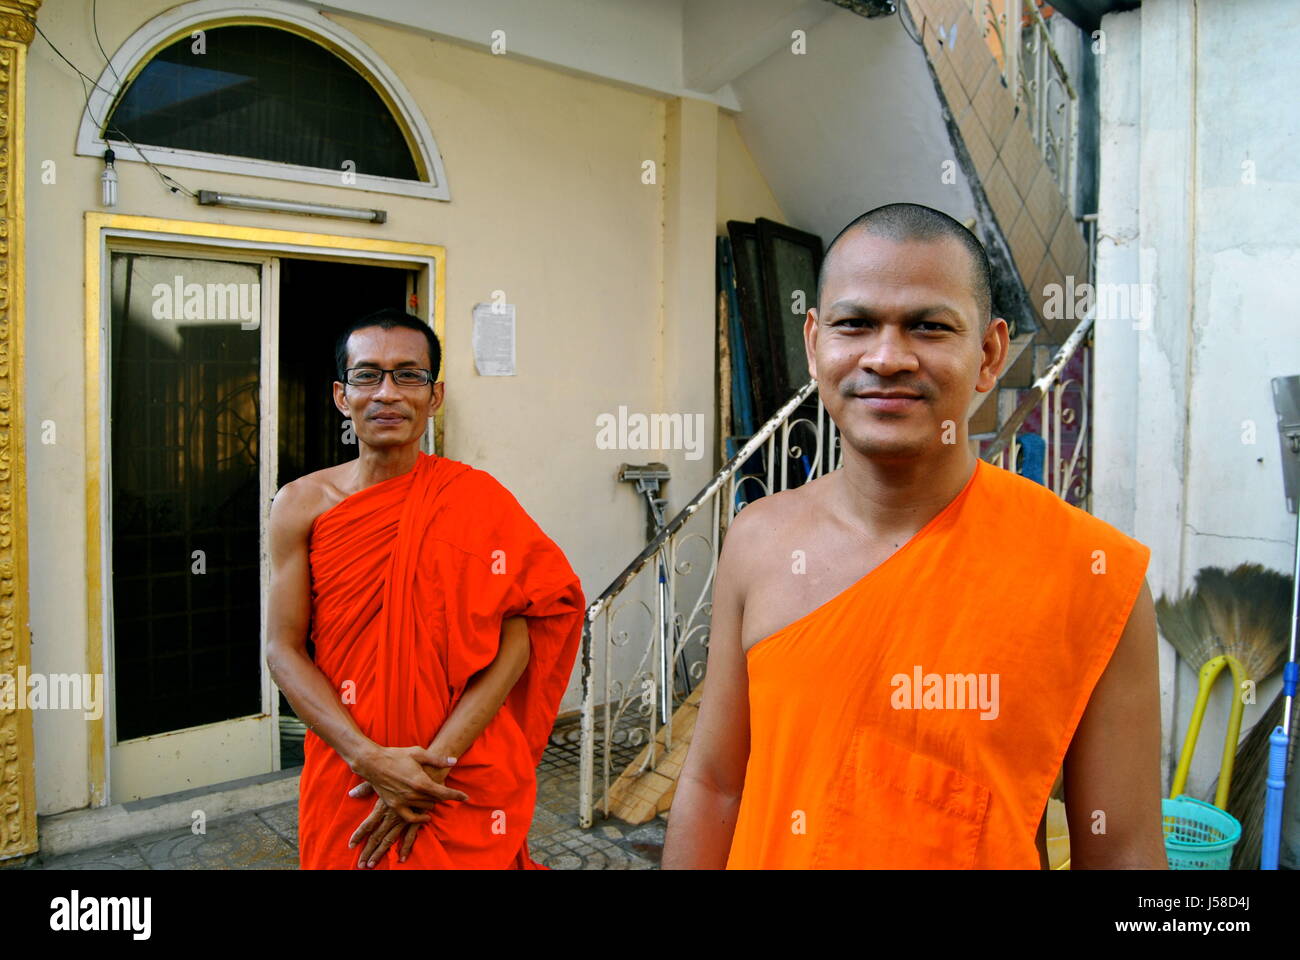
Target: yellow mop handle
<point>1209,673</point>
<point>1234,731</point>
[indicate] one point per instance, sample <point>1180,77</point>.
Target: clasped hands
<point>407,781</point>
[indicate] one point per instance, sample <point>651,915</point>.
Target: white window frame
<point>171,25</point>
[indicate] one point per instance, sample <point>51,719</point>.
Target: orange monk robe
<point>919,718</point>
<point>411,579</point>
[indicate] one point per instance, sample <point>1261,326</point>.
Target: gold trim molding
<point>17,755</point>
<point>18,20</point>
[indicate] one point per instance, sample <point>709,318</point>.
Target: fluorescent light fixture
<point>214,198</point>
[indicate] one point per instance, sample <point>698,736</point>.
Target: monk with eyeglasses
<point>445,625</point>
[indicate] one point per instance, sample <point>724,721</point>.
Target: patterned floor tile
<point>267,839</point>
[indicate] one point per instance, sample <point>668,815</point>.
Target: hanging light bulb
<point>108,180</point>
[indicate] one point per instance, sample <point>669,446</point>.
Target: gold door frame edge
<point>19,835</point>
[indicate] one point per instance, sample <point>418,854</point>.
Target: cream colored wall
<point>743,194</point>
<point>547,204</point>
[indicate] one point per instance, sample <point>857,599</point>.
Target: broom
<point>1236,619</point>
<point>1261,612</point>
<point>1249,610</point>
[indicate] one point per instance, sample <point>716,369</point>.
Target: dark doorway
<point>317,300</point>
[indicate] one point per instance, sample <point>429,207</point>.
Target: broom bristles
<point>1185,623</point>
<point>1248,610</point>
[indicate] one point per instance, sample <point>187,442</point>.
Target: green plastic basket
<point>1198,835</point>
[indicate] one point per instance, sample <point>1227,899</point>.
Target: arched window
<point>291,98</point>
<point>265,93</point>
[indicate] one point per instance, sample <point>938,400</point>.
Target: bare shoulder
<point>752,524</point>
<point>777,511</point>
<point>762,528</point>
<point>299,502</point>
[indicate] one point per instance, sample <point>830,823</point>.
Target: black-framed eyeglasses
<point>373,376</point>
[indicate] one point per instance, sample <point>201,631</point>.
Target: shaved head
<point>904,222</point>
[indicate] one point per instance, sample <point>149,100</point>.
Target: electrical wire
<point>94,25</point>
<point>169,182</point>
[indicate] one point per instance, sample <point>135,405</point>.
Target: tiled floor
<point>557,841</point>
<point>268,839</point>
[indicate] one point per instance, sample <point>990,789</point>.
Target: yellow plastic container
<point>1058,836</point>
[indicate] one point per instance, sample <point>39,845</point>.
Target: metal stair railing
<point>673,595</point>
<point>1057,404</point>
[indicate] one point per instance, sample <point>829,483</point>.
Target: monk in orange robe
<point>906,651</point>
<point>445,626</point>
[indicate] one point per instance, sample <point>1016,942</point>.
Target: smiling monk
<point>906,651</point>
<point>445,625</point>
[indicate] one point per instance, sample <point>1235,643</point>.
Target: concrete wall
<point>612,279</point>
<point>851,124</point>
<point>633,42</point>
<point>1189,93</point>
<point>743,194</point>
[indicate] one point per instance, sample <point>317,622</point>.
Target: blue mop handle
<point>1275,785</point>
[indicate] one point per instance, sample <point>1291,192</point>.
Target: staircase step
<point>636,797</point>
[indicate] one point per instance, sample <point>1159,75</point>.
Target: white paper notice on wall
<point>494,339</point>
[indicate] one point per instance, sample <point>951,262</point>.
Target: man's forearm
<point>701,824</point>
<point>317,704</point>
<point>486,692</point>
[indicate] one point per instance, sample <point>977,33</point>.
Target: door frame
<point>139,763</point>
<point>213,240</point>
